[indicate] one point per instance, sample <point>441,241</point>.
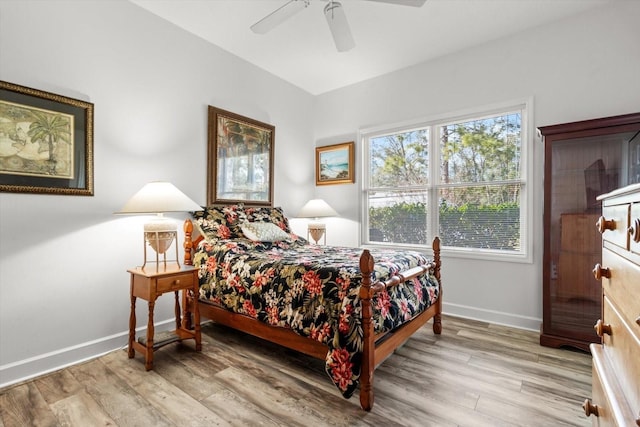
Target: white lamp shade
<point>316,208</point>
<point>158,197</point>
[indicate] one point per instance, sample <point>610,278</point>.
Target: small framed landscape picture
<point>335,164</point>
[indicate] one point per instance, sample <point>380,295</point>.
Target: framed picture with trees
<point>240,159</point>
<point>46,142</point>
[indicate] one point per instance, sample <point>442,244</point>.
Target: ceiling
<point>388,37</point>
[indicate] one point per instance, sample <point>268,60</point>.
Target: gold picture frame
<point>46,142</point>
<point>240,159</point>
<point>335,164</point>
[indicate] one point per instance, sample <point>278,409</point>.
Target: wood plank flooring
<point>474,374</point>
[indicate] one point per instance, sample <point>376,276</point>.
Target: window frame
<point>525,106</point>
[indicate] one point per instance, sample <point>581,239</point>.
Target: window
<point>461,179</point>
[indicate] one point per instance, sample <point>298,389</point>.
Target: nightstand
<point>149,284</point>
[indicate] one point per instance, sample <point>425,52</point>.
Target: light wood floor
<point>474,374</point>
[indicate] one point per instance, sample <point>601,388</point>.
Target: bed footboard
<point>372,355</point>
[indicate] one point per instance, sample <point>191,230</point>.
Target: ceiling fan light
<point>339,26</point>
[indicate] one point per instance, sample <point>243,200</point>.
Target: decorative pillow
<point>263,232</point>
<point>268,214</point>
<point>220,222</point>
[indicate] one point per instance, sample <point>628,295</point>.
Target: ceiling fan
<point>334,13</point>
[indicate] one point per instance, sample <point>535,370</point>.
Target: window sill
<point>466,253</point>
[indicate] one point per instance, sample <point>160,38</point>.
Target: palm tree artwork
<point>51,131</point>
<point>35,142</point>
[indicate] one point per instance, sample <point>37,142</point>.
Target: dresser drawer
<point>175,282</point>
<point>604,418</point>
<point>607,396</point>
<point>623,286</point>
<point>617,217</point>
<point>622,348</point>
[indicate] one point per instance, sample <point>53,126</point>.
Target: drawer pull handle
<point>590,408</point>
<point>176,282</point>
<point>634,230</point>
<point>602,328</point>
<point>604,224</point>
<point>599,272</point>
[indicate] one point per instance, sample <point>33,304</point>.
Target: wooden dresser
<point>616,362</point>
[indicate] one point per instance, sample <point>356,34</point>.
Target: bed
<point>334,303</point>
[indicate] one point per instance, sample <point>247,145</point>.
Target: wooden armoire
<point>582,160</point>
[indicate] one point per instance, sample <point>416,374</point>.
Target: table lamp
<point>316,208</point>
<point>158,197</point>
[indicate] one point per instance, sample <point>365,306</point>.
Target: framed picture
<point>240,160</point>
<point>334,164</point>
<point>46,142</point>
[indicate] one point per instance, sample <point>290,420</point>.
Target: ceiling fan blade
<point>339,26</point>
<point>278,16</point>
<point>414,3</point>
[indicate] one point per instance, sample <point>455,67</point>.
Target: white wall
<point>64,290</point>
<point>576,69</point>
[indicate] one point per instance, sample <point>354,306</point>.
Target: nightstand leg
<point>177,309</point>
<point>186,311</point>
<point>148,357</point>
<point>132,327</point>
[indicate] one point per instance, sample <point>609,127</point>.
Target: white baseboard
<point>23,370</point>
<point>491,316</point>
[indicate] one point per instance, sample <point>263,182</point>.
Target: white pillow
<point>263,231</point>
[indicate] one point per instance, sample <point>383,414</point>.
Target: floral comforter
<point>312,290</point>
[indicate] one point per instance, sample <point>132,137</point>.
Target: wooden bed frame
<point>376,348</point>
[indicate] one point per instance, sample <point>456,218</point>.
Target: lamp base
<point>317,231</point>
<point>160,235</point>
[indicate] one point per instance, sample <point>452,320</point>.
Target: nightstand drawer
<point>175,282</point>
